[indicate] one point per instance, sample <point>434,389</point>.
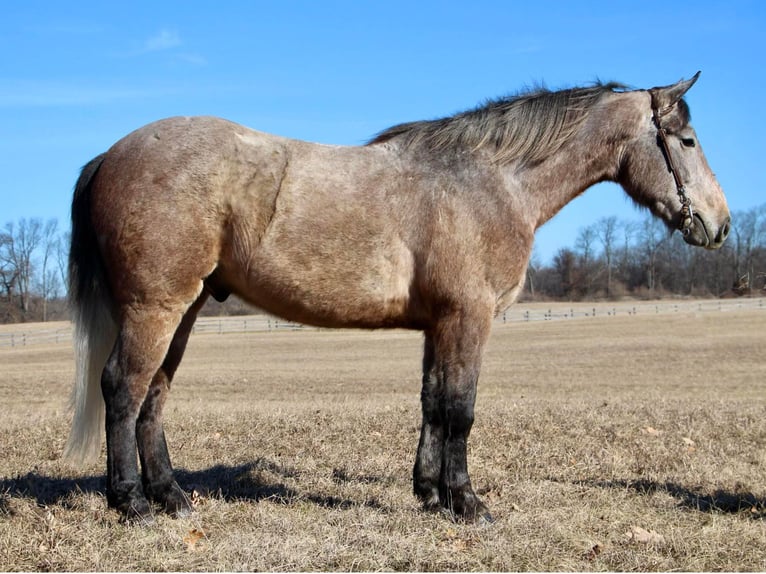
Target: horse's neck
<point>592,156</point>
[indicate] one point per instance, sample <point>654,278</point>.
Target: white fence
<point>36,336</point>
<point>556,311</point>
<point>21,335</point>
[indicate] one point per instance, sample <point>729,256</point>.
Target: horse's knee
<point>458,415</point>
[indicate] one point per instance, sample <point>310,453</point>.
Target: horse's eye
<point>688,142</point>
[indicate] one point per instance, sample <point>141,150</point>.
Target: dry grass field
<point>635,442</point>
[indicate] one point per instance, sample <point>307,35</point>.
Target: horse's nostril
<point>724,232</point>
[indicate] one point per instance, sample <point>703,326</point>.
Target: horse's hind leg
<point>156,469</point>
<point>142,343</point>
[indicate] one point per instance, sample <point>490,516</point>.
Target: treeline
<point>609,259</point>
<point>33,270</point>
<point>613,258</point>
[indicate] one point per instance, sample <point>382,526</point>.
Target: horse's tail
<point>95,330</point>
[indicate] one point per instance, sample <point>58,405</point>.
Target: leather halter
<point>687,215</point>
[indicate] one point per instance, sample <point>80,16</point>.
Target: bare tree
<point>653,235</point>
<point>749,233</point>
<point>532,268</point>
<point>585,244</point>
<point>565,267</point>
<point>49,283</point>
<point>9,274</point>
<point>21,241</point>
<point>62,256</point>
<point>629,230</point>
<point>606,229</point>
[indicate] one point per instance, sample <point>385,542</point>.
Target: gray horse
<point>429,226</point>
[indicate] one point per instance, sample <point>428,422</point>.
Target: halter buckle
<point>687,213</point>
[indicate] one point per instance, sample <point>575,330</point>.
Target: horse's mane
<point>527,127</point>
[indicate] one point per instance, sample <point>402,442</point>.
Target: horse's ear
<point>667,96</point>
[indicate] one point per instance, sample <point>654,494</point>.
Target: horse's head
<point>664,169</point>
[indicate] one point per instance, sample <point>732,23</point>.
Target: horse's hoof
<point>171,498</point>
<point>184,512</point>
<point>481,514</point>
<point>179,506</point>
<point>467,508</point>
<point>176,503</point>
<point>139,513</point>
<point>485,519</point>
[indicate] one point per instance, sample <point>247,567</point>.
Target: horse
<point>428,226</point>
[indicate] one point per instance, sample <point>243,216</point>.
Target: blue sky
<point>77,76</point>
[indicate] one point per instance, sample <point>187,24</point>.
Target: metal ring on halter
<point>687,213</point>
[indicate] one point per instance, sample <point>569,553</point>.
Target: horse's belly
<point>363,285</point>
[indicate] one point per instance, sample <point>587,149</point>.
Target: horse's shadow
<point>717,501</point>
<point>247,481</point>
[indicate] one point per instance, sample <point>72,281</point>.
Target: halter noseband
<point>687,215</point>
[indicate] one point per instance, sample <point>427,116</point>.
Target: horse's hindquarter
<point>157,209</point>
<point>337,248</point>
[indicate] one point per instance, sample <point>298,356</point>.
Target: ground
<point>616,442</point>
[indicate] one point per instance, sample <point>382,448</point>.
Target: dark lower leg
<point>428,463</point>
<point>142,342</point>
<point>123,487</point>
<point>451,366</point>
<point>455,490</point>
<point>157,470</point>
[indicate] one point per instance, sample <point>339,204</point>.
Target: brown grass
<point>614,443</point>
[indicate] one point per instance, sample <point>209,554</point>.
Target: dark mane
<point>527,126</point>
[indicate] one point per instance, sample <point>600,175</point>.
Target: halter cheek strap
<point>687,215</point>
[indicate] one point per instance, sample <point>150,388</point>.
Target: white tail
<point>94,329</point>
<point>94,335</point>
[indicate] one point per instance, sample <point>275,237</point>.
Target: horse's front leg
<point>428,464</point>
<point>451,364</point>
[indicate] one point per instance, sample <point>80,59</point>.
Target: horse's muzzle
<point>702,234</point>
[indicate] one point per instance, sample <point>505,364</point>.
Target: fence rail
<point>22,335</point>
<point>558,311</point>
<point>33,336</point>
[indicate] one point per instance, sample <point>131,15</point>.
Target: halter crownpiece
<point>687,215</point>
